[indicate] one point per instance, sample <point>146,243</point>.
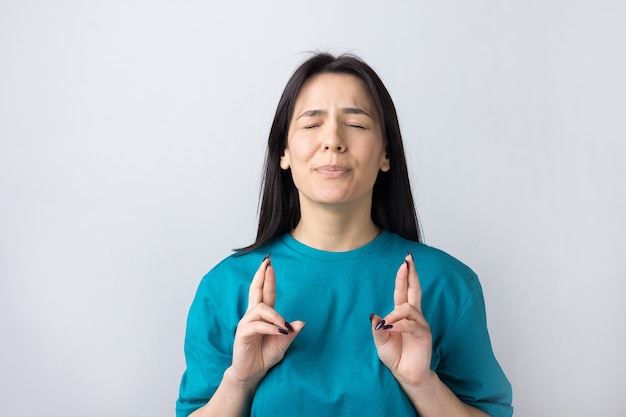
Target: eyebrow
<point>345,110</point>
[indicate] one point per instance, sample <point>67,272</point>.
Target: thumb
<point>294,329</point>
<point>378,330</point>
<point>297,326</point>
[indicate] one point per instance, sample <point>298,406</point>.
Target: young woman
<point>290,325</point>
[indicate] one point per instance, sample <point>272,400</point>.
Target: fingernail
<point>371,317</point>
<point>282,331</point>
<point>288,326</point>
<point>406,263</point>
<point>388,326</point>
<point>380,325</point>
<point>409,253</point>
<point>267,257</point>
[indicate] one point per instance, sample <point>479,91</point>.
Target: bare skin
<point>335,151</point>
<point>404,345</point>
<point>261,340</point>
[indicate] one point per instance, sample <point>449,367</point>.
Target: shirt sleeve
<point>208,352</point>
<point>469,367</point>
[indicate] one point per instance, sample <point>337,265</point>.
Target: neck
<point>335,229</point>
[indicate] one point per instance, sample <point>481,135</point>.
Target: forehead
<point>331,89</point>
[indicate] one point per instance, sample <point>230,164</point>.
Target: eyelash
<point>349,125</point>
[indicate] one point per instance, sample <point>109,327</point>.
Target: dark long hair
<point>392,201</point>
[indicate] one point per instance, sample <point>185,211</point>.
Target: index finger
<point>256,291</point>
<point>269,286</point>
<point>408,288</point>
<point>400,292</point>
<point>414,292</point>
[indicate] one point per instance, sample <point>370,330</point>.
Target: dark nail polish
<point>380,325</point>
<point>288,326</point>
<point>282,331</point>
<point>409,253</point>
<point>406,263</point>
<point>371,317</point>
<point>266,256</point>
<point>388,326</point>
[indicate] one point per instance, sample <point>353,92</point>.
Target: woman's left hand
<point>403,339</point>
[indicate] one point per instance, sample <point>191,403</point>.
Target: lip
<point>332,171</point>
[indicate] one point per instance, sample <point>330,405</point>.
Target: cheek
<point>299,151</point>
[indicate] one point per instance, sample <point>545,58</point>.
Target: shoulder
<point>437,268</point>
<point>431,257</point>
<point>232,271</point>
<point>236,269</point>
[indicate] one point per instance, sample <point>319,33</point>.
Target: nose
<point>333,140</point>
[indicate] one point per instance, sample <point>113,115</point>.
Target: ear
<point>385,163</point>
<point>285,163</point>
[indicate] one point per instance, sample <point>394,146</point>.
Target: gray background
<point>132,138</point>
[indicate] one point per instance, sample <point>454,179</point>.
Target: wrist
<point>422,383</point>
<point>431,397</point>
<point>235,381</point>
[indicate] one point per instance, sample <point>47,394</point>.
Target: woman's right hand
<point>263,336</point>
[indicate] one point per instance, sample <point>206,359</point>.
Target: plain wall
<point>132,138</point>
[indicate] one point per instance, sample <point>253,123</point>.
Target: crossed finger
<point>263,285</point>
<point>261,300</point>
<point>408,288</point>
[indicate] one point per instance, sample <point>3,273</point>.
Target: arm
<point>261,340</point>
<point>404,344</point>
<point>231,399</point>
<point>431,397</point>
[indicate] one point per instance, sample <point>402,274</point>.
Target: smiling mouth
<point>332,171</point>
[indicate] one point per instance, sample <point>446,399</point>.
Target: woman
<point>338,243</point>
